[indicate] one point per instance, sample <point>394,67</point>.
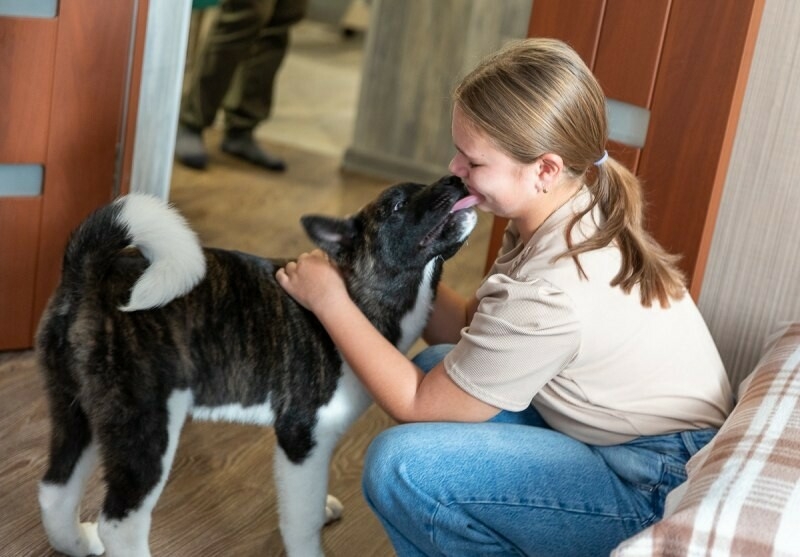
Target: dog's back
<point>134,340</point>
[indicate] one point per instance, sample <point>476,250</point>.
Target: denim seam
<point>432,525</point>
<point>547,506</point>
<point>509,548</point>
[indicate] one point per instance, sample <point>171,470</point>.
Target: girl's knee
<point>390,459</point>
<point>381,461</point>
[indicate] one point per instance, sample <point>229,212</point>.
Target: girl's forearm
<point>385,372</point>
<point>451,313</point>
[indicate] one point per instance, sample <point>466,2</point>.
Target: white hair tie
<point>602,159</point>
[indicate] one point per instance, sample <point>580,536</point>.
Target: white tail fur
<point>177,263</point>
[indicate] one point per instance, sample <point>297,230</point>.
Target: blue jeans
<point>514,486</point>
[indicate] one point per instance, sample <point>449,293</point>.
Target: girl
<point>563,400</point>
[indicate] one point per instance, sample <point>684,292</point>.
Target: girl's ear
<point>547,170</point>
<point>550,167</point>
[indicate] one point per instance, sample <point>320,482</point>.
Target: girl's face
<point>504,186</point>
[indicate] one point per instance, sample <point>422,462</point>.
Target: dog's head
<point>406,227</point>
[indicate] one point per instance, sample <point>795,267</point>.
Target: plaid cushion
<point>742,496</point>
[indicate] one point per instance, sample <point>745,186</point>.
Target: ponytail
<point>644,262</point>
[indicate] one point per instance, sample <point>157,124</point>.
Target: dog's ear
<point>332,235</point>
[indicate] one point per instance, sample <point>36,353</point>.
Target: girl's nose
<point>457,169</point>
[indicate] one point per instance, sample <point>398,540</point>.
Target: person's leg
<point>497,489</point>
<point>514,486</point>
<point>632,462</point>
<point>228,43</point>
<point>248,101</point>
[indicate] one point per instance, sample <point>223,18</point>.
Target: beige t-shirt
<point>593,361</point>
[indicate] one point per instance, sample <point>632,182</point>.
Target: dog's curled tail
<point>177,262</point>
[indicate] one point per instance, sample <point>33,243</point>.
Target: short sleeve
<point>523,334</point>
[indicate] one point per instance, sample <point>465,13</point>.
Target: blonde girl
<point>555,409</point>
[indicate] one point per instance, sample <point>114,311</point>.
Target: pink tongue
<point>465,203</point>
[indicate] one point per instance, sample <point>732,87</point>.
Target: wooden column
<point>416,51</point>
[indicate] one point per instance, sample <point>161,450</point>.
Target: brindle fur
<point>235,338</point>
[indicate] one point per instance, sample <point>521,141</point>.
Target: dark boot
<point>241,144</point>
<point>189,148</point>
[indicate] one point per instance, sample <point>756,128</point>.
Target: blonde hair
<point>536,96</point>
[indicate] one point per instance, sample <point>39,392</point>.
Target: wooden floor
<point>219,500</point>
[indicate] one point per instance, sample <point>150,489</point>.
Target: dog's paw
<point>81,543</point>
<point>90,540</point>
<point>333,509</point>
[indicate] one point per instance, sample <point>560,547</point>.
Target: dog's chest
<point>256,414</point>
<point>413,323</point>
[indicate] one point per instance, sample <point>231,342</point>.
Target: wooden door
<point>68,90</point>
<point>686,62</point>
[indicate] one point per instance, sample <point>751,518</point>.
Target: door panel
<point>664,55</point>
<point>86,125</point>
<point>577,22</point>
<point>19,238</point>
<point>630,48</point>
<point>695,112</point>
<point>627,59</point>
<point>25,43</point>
<point>64,98</point>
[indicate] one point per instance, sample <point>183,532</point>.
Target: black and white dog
<point>136,339</point>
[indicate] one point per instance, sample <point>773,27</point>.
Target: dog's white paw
<point>333,509</point>
<point>90,539</point>
<point>83,542</point>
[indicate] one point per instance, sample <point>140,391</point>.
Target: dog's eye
<point>399,205</point>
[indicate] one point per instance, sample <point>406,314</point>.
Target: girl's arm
<point>396,384</point>
<point>450,314</point>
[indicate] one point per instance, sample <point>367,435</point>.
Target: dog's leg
<point>136,474</point>
<point>60,506</point>
<point>303,502</point>
<point>73,458</point>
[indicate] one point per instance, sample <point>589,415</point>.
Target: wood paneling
<point>627,155</point>
<point>19,237</point>
<point>694,114</point>
<point>630,48</point>
<point>627,59</point>
<point>24,126</point>
<point>576,22</point>
<point>68,86</point>
<point>664,55</point>
<point>86,125</point>
<point>24,94</point>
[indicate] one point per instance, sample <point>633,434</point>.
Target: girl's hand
<point>312,281</point>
